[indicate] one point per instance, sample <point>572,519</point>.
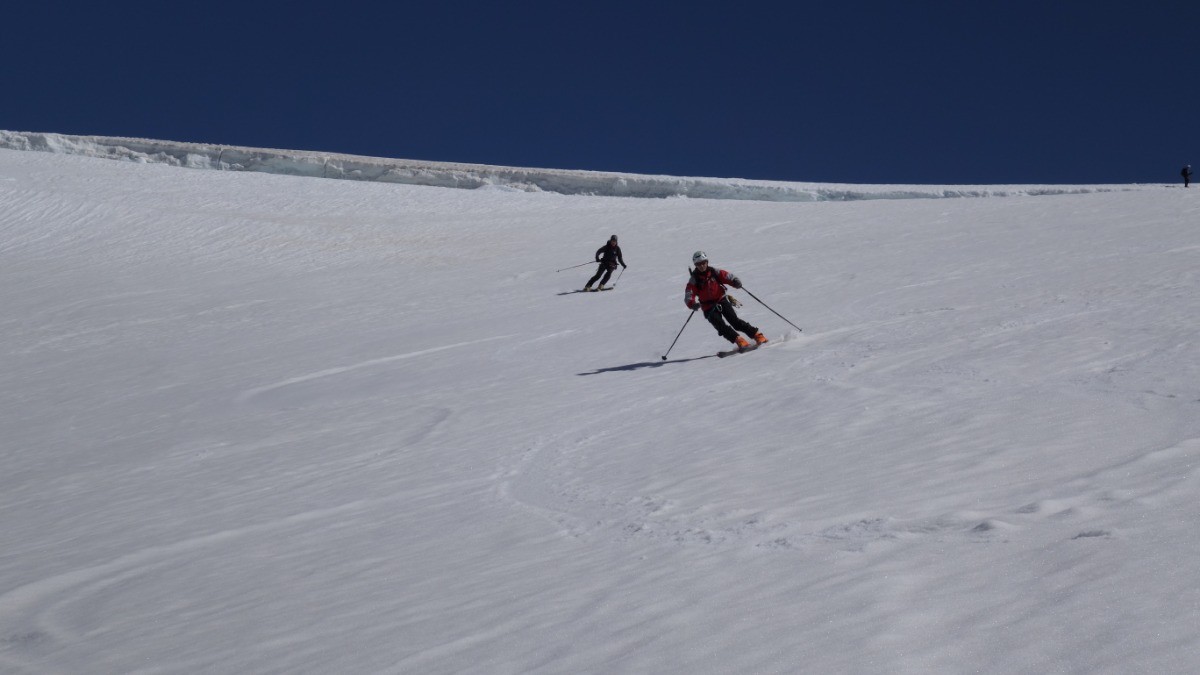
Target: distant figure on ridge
<point>1187,175</point>
<point>706,290</point>
<point>608,256</point>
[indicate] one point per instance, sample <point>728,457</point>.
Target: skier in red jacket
<point>706,291</point>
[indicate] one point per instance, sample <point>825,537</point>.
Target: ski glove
<point>735,282</point>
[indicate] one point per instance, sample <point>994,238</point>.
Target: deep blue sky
<point>867,92</point>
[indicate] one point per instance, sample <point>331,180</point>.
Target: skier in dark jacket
<point>608,256</point>
<point>1186,172</point>
<point>706,291</point>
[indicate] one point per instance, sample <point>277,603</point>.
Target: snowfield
<point>259,423</point>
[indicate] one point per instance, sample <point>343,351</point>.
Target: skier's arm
<point>599,252</point>
<point>729,279</point>
<point>689,297</point>
<point>620,259</point>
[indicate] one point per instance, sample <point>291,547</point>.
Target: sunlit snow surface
<point>275,424</point>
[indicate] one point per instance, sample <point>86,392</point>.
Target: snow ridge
<point>475,176</point>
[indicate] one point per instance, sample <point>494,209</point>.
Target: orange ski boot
<point>760,339</point>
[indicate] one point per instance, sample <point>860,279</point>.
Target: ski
<point>586,290</point>
<point>740,350</point>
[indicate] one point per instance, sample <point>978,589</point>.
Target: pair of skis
<point>739,350</point>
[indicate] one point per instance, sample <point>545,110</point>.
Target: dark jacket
<point>611,255</point>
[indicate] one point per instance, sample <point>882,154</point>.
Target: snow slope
<point>274,424</point>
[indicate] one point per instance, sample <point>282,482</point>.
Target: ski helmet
<point>699,256</point>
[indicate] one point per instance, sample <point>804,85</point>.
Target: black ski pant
<point>603,269</point>
<point>722,312</point>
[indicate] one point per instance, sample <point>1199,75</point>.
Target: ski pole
<point>590,262</point>
<point>618,277</point>
<point>772,311</point>
<point>685,323</point>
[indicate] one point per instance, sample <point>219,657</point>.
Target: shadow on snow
<point>645,364</point>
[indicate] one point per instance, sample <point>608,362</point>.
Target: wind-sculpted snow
<point>474,176</point>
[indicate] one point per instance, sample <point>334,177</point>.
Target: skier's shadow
<point>645,364</point>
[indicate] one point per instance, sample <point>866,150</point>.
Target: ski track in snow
<point>54,611</point>
<point>544,484</point>
<point>329,372</point>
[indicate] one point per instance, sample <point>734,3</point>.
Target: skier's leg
<point>734,320</point>
<point>714,317</point>
<point>599,271</point>
<point>607,275</point>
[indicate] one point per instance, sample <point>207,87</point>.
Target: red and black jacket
<point>708,288</point>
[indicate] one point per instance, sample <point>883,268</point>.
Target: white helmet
<point>699,256</point>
